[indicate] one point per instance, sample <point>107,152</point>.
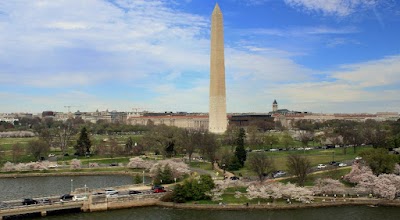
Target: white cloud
<point>339,8</point>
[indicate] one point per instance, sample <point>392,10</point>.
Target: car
<point>358,158</point>
<point>111,192</point>
<point>157,187</point>
<point>321,166</point>
<point>79,197</point>
<point>52,155</point>
<point>273,149</point>
<point>44,201</point>
<point>278,173</point>
<point>342,165</point>
<point>308,148</point>
<point>53,165</point>
<point>4,205</point>
<point>98,193</point>
<point>234,178</point>
<point>333,163</point>
<point>66,197</point>
<point>113,164</point>
<point>29,202</point>
<point>159,190</point>
<point>134,192</point>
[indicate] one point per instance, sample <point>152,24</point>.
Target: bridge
<point>91,204</point>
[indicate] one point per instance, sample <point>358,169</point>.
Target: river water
<point>28,187</point>
<point>156,213</point>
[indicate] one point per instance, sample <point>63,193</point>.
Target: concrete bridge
<point>93,203</point>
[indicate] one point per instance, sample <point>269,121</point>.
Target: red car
<point>159,190</point>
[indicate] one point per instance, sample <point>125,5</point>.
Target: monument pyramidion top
<point>217,10</point>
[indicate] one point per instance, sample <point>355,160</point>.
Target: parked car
<point>234,178</point>
<point>134,192</point>
<point>159,190</point>
<point>278,173</point>
<point>79,198</point>
<point>53,165</point>
<point>358,158</point>
<point>29,201</point>
<point>333,163</point>
<point>321,166</point>
<point>156,187</point>
<point>52,155</point>
<point>66,197</point>
<point>342,164</point>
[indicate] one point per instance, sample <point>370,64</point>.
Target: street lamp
<point>175,179</point>
<point>143,177</point>
<point>223,167</point>
<point>72,185</point>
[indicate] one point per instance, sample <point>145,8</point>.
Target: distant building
<point>275,106</point>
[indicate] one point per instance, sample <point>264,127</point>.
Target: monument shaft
<point>217,111</point>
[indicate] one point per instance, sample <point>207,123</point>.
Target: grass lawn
<point>333,174</point>
<point>201,165</point>
<point>7,143</point>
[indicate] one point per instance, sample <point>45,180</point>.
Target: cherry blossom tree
<point>177,166</point>
<point>75,164</point>
<point>328,186</point>
<point>139,163</point>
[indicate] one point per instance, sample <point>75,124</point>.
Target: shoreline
<point>233,207</point>
<point>95,173</point>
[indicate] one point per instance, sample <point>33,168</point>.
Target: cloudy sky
<point>310,55</point>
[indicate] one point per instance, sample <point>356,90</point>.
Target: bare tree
<point>38,148</point>
<point>209,146</point>
<point>299,166</point>
<point>261,164</point>
<point>63,134</point>
<point>306,137</point>
<point>190,140</point>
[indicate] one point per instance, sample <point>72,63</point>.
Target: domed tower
<point>274,106</point>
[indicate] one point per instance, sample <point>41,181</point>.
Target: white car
<point>321,166</point>
<point>358,158</point>
<point>342,164</point>
<point>111,192</point>
<point>79,198</point>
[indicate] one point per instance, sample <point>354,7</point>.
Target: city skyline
<point>341,57</point>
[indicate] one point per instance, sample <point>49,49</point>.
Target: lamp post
<point>223,167</point>
<point>72,185</point>
<point>175,179</point>
<point>143,177</point>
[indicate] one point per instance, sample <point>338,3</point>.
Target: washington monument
<point>217,114</point>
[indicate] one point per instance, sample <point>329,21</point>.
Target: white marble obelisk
<point>217,114</point>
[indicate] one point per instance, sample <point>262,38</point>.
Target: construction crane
<point>69,107</point>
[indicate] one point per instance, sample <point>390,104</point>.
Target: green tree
<point>83,143</point>
<point>129,146</point>
<point>138,179</point>
<point>270,140</point>
<point>379,160</point>
<point>286,140</point>
<point>240,151</point>
<point>193,189</point>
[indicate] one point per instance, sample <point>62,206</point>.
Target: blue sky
<point>326,56</point>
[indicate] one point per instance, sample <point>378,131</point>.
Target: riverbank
<point>337,203</point>
<point>93,173</point>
